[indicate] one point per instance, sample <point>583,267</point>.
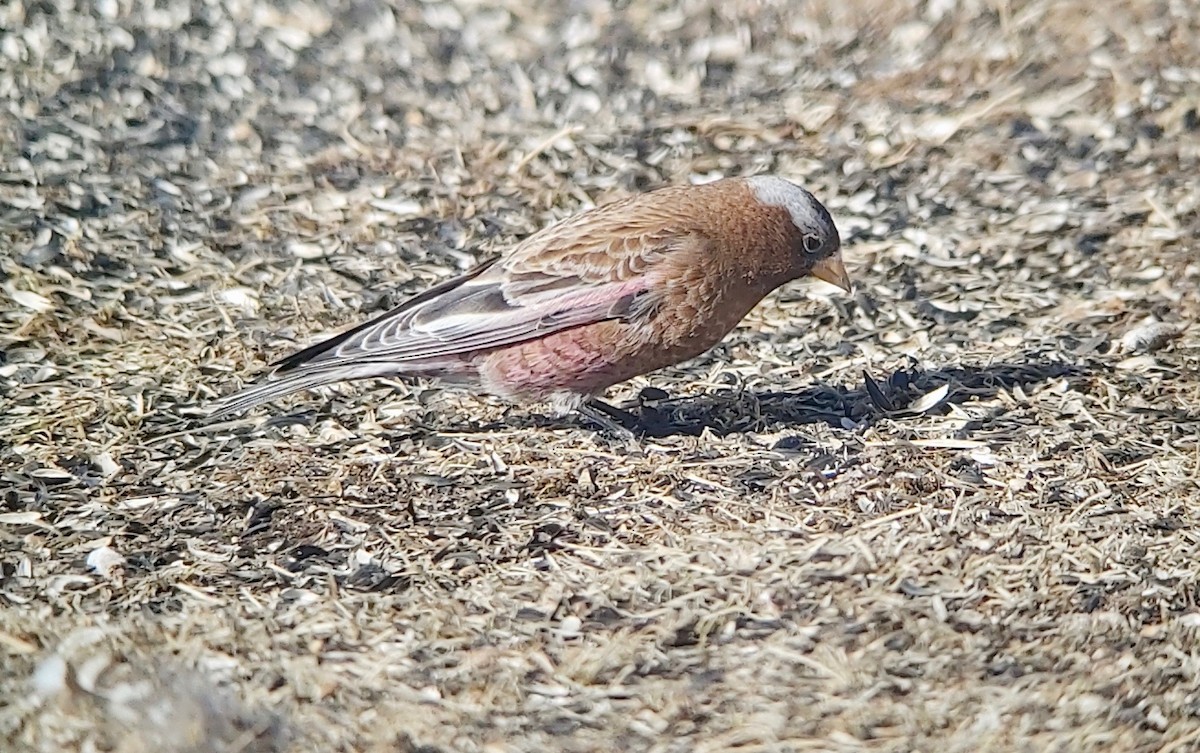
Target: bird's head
<point>815,245</point>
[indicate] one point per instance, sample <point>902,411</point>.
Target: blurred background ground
<point>955,511</point>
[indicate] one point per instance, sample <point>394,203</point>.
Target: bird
<point>608,294</point>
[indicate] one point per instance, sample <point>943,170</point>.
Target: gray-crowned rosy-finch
<point>617,291</point>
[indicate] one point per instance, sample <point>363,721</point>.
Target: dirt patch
<point>955,510</point>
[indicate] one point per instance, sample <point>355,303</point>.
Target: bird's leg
<point>610,418</point>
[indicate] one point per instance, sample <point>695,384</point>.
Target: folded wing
<point>554,281</point>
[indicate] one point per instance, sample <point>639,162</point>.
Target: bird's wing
<point>551,282</point>
<point>596,266</point>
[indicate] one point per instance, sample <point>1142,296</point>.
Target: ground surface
<point>825,556</point>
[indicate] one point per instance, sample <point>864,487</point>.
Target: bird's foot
<point>621,423</point>
<point>610,419</point>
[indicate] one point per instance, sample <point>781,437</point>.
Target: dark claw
<point>611,419</point>
<point>881,400</point>
<point>622,423</point>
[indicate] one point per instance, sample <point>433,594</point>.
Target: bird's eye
<point>812,244</point>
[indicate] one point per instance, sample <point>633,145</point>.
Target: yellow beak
<point>833,271</point>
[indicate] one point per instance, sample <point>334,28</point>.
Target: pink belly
<point>585,360</point>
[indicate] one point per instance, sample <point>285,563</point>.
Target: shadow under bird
<point>611,293</point>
